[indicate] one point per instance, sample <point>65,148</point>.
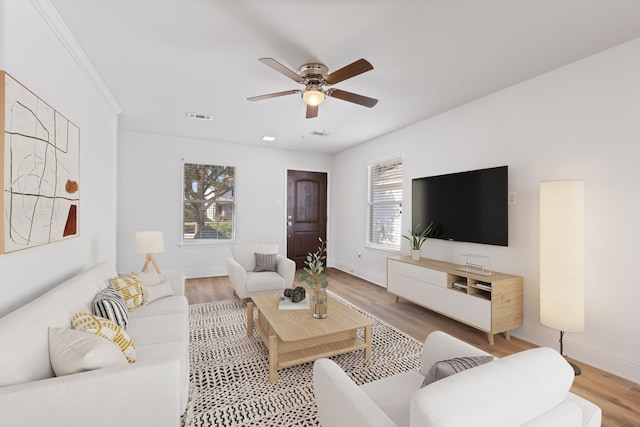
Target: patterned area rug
<point>229,371</point>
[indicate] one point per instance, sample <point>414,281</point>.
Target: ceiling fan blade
<point>351,70</point>
<point>273,95</point>
<point>312,111</point>
<point>282,69</point>
<point>352,97</point>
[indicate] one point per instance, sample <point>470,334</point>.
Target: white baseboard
<point>609,362</point>
<point>362,274</point>
<point>202,272</point>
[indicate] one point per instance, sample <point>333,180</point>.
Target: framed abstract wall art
<point>40,167</point>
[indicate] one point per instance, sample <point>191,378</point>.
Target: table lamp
<point>149,242</point>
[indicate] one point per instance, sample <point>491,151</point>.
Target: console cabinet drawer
<point>430,296</point>
<point>469,309</point>
<point>420,285</point>
<point>422,274</point>
<point>400,285</point>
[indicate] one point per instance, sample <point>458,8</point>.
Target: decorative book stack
<point>286,304</point>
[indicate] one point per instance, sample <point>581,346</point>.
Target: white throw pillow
<point>72,351</point>
<point>149,278</point>
<point>154,292</point>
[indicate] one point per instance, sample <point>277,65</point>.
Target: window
<point>209,202</point>
<point>385,204</point>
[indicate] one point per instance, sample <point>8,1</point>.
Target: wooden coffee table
<point>294,337</point>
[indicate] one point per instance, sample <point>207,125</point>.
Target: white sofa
<point>530,388</point>
<point>245,278</point>
<point>153,391</point>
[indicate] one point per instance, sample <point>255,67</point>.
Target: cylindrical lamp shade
<point>149,242</point>
<point>562,255</point>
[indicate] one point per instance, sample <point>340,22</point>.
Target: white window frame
<point>208,241</point>
<point>393,246</point>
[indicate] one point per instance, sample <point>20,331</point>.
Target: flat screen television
<point>465,206</point>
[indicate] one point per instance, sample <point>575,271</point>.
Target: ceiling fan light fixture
<point>314,77</point>
<point>313,96</point>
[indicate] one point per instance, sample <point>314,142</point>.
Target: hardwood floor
<point>618,398</point>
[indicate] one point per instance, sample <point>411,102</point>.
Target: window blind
<point>385,203</point>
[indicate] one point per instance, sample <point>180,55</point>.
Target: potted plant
<point>316,279</point>
<point>417,238</point>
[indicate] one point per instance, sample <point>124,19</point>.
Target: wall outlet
<point>512,198</point>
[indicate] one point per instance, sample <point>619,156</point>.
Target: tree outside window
<point>209,202</point>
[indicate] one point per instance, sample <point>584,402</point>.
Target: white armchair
<point>274,272</point>
<point>530,388</point>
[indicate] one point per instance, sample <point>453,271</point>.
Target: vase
<point>320,303</point>
<point>415,254</point>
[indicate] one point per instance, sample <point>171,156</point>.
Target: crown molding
<point>60,29</point>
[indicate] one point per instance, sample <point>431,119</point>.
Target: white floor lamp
<point>149,242</point>
<point>562,257</point>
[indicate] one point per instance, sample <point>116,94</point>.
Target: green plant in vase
<point>316,279</point>
<point>417,238</point>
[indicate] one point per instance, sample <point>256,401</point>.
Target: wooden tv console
<point>491,303</point>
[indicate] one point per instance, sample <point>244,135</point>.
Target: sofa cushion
<point>105,328</point>
<point>445,368</point>
<point>158,329</point>
<point>266,281</point>
<point>72,351</point>
<point>566,414</point>
<point>174,304</point>
<point>152,293</point>
<point>110,304</point>
<point>265,262</point>
<point>131,288</point>
<point>148,277</point>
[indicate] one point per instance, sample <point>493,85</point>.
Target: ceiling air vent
<point>200,116</point>
<point>319,133</point>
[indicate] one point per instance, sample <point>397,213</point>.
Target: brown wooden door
<point>306,213</point>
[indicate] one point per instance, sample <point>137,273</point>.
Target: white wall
<point>33,54</point>
<point>150,197</point>
<point>578,122</point>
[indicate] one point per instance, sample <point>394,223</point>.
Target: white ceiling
<point>162,58</point>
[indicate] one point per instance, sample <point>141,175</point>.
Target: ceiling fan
<point>314,77</point>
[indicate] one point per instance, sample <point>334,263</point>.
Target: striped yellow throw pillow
<point>131,289</point>
<point>106,329</point>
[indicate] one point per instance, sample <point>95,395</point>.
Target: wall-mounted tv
<point>467,206</point>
